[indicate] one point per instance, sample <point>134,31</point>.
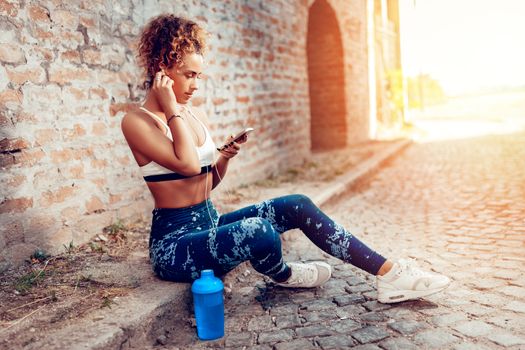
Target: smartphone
<point>237,137</point>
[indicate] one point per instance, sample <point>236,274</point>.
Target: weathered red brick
<point>74,133</point>
<point>42,34</point>
<point>87,22</point>
<point>71,56</point>
<point>62,156</point>
<point>99,163</point>
<point>62,75</point>
<point>29,157</point>
<point>42,54</point>
<point>69,214</point>
<point>79,94</point>
<point>114,198</point>
<point>219,101</point>
<point>92,56</point>
<point>115,108</point>
<point>44,136</point>
<point>100,182</point>
<point>11,53</point>
<point>75,172</point>
<point>99,129</point>
<point>243,99</point>
<point>22,74</point>
<point>11,97</point>
<point>7,160</point>
<point>16,144</point>
<point>11,229</point>
<point>198,101</point>
<point>99,92</point>
<point>14,181</point>
<point>125,160</point>
<point>59,195</point>
<point>94,204</point>
<point>65,18</point>
<point>15,205</point>
<point>39,14</point>
<point>9,8</point>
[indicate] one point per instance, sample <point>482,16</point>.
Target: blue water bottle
<point>209,306</point>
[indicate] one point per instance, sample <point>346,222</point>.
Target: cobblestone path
<point>458,207</point>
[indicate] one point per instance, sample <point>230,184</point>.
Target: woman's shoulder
<point>135,118</point>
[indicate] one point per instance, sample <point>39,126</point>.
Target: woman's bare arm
<point>145,138</point>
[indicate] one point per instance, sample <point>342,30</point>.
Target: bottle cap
<point>207,283</point>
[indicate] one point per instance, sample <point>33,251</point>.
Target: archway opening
<point>326,78</point>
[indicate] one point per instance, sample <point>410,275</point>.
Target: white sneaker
<point>307,275</point>
<point>406,281</point>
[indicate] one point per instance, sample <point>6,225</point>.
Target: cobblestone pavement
<point>457,207</point>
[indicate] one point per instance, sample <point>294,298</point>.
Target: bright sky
<point>465,44</point>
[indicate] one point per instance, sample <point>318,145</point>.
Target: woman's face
<point>185,76</point>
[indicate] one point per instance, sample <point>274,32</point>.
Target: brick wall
<point>68,75</point>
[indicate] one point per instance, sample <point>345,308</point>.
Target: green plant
<point>99,248</point>
<point>69,248</point>
<point>107,302</point>
<point>26,282</point>
<point>115,227</point>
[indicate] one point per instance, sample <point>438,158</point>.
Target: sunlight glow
<point>467,45</point>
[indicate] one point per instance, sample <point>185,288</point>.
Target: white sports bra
<point>154,172</point>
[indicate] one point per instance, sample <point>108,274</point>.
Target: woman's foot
<point>406,281</point>
<point>307,275</point>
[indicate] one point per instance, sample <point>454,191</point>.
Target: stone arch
<point>326,79</point>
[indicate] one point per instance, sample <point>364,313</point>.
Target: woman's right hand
<point>163,89</point>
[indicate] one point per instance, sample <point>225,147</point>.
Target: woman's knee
<point>262,231</point>
<point>301,200</point>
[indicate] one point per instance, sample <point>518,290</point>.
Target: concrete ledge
<point>131,323</point>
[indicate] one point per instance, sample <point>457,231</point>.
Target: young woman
<point>177,156</point>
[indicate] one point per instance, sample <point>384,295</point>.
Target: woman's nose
<point>194,85</point>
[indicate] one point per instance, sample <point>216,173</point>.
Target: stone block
<point>343,300</point>
<point>239,339</point>
<point>473,328</point>
<point>287,321</point>
<point>448,319</point>
<point>263,322</point>
<point>345,326</point>
<point>398,344</point>
<point>407,327</point>
<point>360,288</point>
<point>370,334</point>
<point>506,339</point>
<point>313,331</point>
<point>336,342</point>
<point>316,305</point>
<point>296,344</point>
<point>275,336</point>
<point>434,339</point>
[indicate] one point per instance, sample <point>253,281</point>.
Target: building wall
<point>338,76</point>
<point>68,75</point>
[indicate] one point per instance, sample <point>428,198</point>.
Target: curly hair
<point>166,39</point>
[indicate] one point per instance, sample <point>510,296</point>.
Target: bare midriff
<point>181,193</point>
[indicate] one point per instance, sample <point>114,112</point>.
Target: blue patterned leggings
<point>185,241</point>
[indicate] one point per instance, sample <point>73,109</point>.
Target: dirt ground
<point>69,285</point>
<point>50,290</point>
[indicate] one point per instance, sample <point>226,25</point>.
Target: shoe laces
<point>409,267</point>
<point>301,273</point>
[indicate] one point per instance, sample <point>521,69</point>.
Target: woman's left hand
<point>233,147</point>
